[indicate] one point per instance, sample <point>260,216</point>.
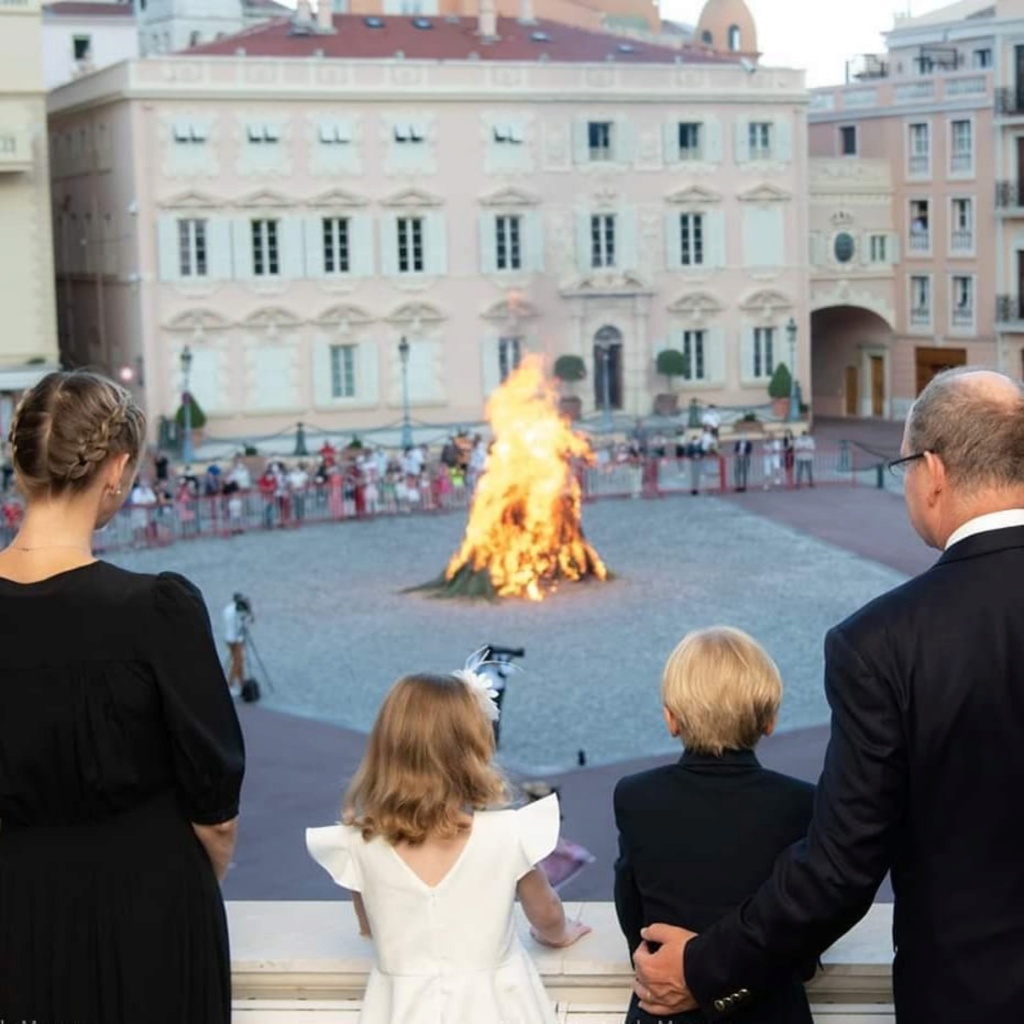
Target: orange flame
<point>524,523</point>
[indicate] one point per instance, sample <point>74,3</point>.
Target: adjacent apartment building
<point>300,206</point>
<point>28,343</point>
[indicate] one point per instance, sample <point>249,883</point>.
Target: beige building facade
<point>28,343</point>
<point>292,219</point>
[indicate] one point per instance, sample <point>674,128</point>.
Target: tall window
<point>981,58</point>
<point>508,243</point>
<point>192,248</point>
<point>760,139</point>
<point>962,237</point>
<point>266,257</point>
<point>879,248</point>
<point>510,351</point>
<point>963,301</point>
<point>337,256</point>
<point>764,351</point>
<point>919,143</point>
<point>735,39</point>
<point>599,140</point>
<point>602,240</point>
<point>689,140</point>
<point>920,300</point>
<point>694,345</point>
<point>920,225</point>
<point>343,371</point>
<point>691,238</point>
<point>410,245</point>
<point>962,146</point>
<point>848,140</point>
<point>81,47</point>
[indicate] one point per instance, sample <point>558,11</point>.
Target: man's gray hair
<point>978,435</point>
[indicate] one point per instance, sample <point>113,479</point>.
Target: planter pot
<point>666,405</point>
<point>780,408</point>
<point>571,407</point>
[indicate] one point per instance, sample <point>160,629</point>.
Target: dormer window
<point>409,134</point>
<point>735,39</point>
<point>508,134</point>
<point>335,134</point>
<point>260,134</point>
<point>186,132</point>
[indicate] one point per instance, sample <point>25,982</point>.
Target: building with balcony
<point>926,109</point>
<point>29,340</point>
<point>292,206</point>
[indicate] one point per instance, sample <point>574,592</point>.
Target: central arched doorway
<point>608,368</point>
<point>851,363</point>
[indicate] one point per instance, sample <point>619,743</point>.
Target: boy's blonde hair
<point>722,688</point>
<point>427,762</point>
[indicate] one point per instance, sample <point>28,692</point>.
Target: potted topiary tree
<point>779,389</point>
<point>670,363</point>
<point>197,420</point>
<point>570,370</point>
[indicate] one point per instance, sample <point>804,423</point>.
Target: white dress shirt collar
<point>982,524</point>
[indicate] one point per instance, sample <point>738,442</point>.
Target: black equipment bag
<point>250,691</point>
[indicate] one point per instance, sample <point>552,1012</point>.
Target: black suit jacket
<point>696,838</point>
<point>924,773</point>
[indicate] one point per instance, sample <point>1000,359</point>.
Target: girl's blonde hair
<point>427,762</point>
<point>722,688</point>
<point>67,426</point>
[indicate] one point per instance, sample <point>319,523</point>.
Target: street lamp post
<point>794,388</point>
<point>403,354</point>
<point>187,451</point>
<point>605,353</point>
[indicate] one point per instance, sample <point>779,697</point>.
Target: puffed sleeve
<point>206,739</point>
<point>537,825</point>
<point>331,847</point>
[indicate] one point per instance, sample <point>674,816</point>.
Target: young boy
<point>697,837</point>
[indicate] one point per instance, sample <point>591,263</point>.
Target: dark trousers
<point>802,466</point>
<point>741,471</point>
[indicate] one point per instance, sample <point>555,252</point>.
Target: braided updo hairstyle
<point>67,426</point>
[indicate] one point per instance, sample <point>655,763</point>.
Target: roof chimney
<point>324,16</point>
<point>526,13</point>
<point>302,20</point>
<point>488,21</point>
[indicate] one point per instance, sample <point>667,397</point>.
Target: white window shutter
<point>742,142</point>
<point>488,243</point>
<point>490,369</point>
<point>714,239</point>
<point>670,142</point>
<point>436,256</point>
<point>712,140</point>
<point>241,236</point>
<point>581,142</point>
<point>783,140</point>
<point>533,223</point>
<point>321,373</point>
<point>625,240</point>
<point>168,250</point>
<point>583,253</point>
<point>673,241</point>
<point>360,226</point>
<point>623,141</point>
<point>389,245</point>
<point>313,243</point>
<point>715,356</point>
<point>747,356</point>
<point>368,372</point>
<point>816,249</point>
<point>218,246</point>
<point>292,245</point>
<point>894,249</point>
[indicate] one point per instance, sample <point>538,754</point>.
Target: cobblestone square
<point>335,629</point>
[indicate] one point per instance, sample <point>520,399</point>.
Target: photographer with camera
<point>238,616</point>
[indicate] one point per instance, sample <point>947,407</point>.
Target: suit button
<point>719,1005</point>
<point>744,992</point>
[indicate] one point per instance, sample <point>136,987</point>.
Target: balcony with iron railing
<point>1009,196</point>
<point>1010,102</point>
<point>920,240</point>
<point>961,240</point>
<point>920,316</point>
<point>963,317</point>
<point>1010,310</point>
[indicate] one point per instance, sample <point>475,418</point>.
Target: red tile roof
<point>359,37</point>
<point>85,9</point>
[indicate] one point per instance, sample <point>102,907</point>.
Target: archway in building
<point>851,363</point>
<point>608,368</point>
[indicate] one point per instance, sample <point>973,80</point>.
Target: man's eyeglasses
<point>898,467</point>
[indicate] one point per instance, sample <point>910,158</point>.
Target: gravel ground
<point>334,628</point>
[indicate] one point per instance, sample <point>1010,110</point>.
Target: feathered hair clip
<point>479,683</point>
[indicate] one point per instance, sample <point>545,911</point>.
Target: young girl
<point>435,861</point>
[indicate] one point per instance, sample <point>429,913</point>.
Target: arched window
<point>734,38</point>
<point>707,38</point>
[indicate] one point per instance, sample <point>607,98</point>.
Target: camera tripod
<point>249,647</point>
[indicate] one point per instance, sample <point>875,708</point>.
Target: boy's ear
<point>770,727</point>
<point>671,722</point>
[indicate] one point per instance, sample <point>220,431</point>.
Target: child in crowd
<point>435,861</point>
<point>697,837</point>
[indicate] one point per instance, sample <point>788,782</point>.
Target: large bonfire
<point>524,534</point>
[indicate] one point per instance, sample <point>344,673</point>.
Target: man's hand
<point>659,976</point>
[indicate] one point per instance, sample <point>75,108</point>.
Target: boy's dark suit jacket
<point>924,773</point>
<point>696,838</point>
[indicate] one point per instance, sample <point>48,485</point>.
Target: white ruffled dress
<point>449,953</point>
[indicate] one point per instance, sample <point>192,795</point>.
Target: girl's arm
<point>360,909</point>
<point>545,913</point>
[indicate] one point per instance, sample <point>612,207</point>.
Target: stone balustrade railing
<point>304,963</point>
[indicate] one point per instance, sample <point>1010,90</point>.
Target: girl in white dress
<point>435,860</point>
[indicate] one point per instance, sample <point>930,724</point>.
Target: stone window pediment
<point>695,305</point>
<point>416,313</point>
<point>507,197</point>
<point>264,199</point>
<point>337,198</point>
<point>695,195</point>
<point>411,198</point>
<point>272,319</point>
<point>508,309</point>
<point>765,194</point>
<point>198,321</point>
<point>766,303</point>
<point>343,317</point>
<point>192,201</point>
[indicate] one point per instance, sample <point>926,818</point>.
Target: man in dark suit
<point>925,764</point>
<point>741,452</point>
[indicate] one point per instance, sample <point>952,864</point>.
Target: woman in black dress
<point>121,757</point>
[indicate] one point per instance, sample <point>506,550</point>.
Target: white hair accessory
<point>478,683</point>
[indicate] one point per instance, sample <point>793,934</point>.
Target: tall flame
<point>524,523</point>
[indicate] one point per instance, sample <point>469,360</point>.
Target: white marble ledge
<point>312,951</point>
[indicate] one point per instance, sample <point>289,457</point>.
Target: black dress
<point>116,732</point>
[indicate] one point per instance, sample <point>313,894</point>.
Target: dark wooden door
<point>614,371</point>
<point>852,391</point>
<point>877,386</point>
<point>931,361</point>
